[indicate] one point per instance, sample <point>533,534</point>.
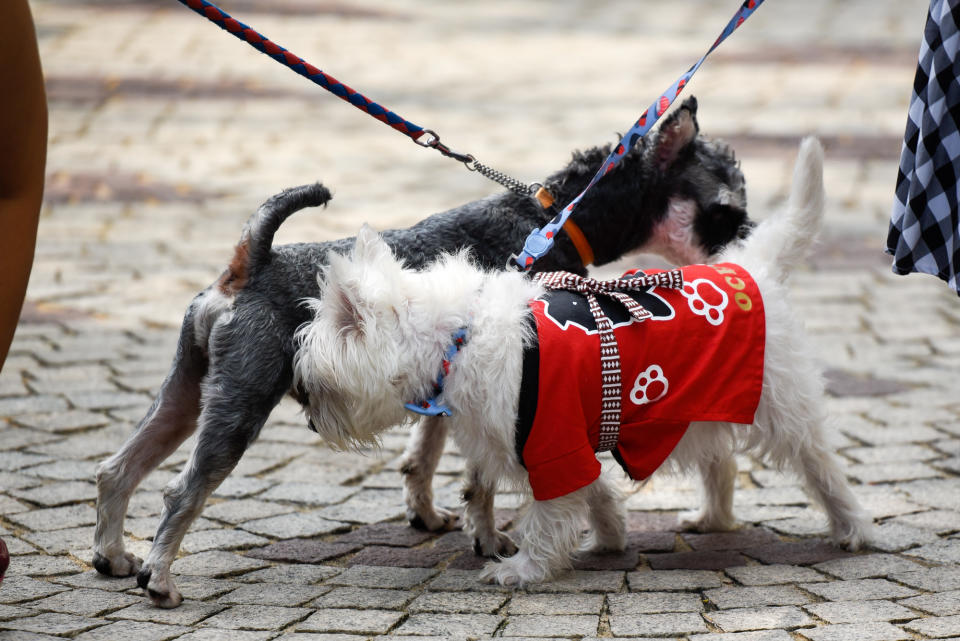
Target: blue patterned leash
<point>540,240</point>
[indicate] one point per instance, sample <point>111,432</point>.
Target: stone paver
<point>289,526</point>
<point>939,603</point>
<point>53,623</point>
<point>653,602</point>
<point>877,631</point>
<point>860,589</point>
<point>139,630</point>
<point>461,602</point>
<point>860,611</point>
<point>298,574</point>
<point>85,602</point>
<point>740,619</point>
<point>220,540</point>
<point>937,627</point>
<point>756,635</point>
<point>745,597</point>
<point>933,579</point>
<point>155,162</point>
<point>366,599</point>
<point>215,563</point>
<point>17,589</point>
<point>542,625</point>
<point>276,594</point>
<point>774,574</point>
<point>257,617</point>
<point>674,580</point>
<point>582,581</point>
<point>653,625</point>
<point>382,577</point>
<point>448,625</point>
<point>187,613</point>
<point>866,566</point>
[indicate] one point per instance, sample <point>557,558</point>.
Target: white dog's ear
<point>677,131</point>
<point>340,291</point>
<point>348,317</point>
<point>370,248</point>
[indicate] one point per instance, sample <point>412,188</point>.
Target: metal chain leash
<point>503,179</point>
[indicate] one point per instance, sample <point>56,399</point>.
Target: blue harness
<point>432,406</point>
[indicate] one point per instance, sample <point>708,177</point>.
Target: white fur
<point>381,331</point>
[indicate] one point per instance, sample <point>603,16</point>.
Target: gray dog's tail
<point>253,250</point>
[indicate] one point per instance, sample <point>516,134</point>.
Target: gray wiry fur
<point>235,353</point>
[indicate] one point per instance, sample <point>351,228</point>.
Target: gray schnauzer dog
<point>675,194</point>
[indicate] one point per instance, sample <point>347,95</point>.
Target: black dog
<point>676,194</point>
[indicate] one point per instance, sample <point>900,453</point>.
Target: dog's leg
<point>419,464</point>
<point>718,473</point>
<point>792,432</point>
<point>479,518</point>
<point>170,420</point>
<point>709,447</point>
<point>608,519</point>
<point>227,426</point>
<point>827,484</point>
<point>550,533</point>
<point>249,375</point>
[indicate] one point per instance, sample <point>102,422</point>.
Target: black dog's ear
<point>677,131</point>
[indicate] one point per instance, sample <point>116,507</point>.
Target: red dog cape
<point>698,358</point>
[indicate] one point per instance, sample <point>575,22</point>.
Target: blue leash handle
<point>540,240</point>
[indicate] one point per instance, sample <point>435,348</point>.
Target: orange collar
<point>580,242</point>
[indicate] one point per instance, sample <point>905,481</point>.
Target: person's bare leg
<point>23,137</point>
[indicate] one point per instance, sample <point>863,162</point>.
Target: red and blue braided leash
<point>540,241</point>
<point>263,44</point>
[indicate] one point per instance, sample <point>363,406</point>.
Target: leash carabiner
<point>434,143</point>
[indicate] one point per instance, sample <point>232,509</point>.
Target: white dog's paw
<point>433,519</point>
<point>119,564</point>
<point>856,536</point>
<point>696,522</point>
<point>612,542</point>
<point>516,571</point>
<point>499,544</point>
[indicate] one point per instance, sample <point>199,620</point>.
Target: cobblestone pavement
<point>166,133</point>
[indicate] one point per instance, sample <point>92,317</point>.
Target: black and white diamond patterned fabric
<point>925,225</point>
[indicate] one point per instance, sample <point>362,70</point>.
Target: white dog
<point>735,375</point>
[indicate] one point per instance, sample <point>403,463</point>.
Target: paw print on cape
<point>651,385</point>
<point>706,299</point>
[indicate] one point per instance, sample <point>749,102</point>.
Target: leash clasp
<point>434,143</point>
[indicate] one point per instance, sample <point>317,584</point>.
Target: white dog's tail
<point>782,241</point>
